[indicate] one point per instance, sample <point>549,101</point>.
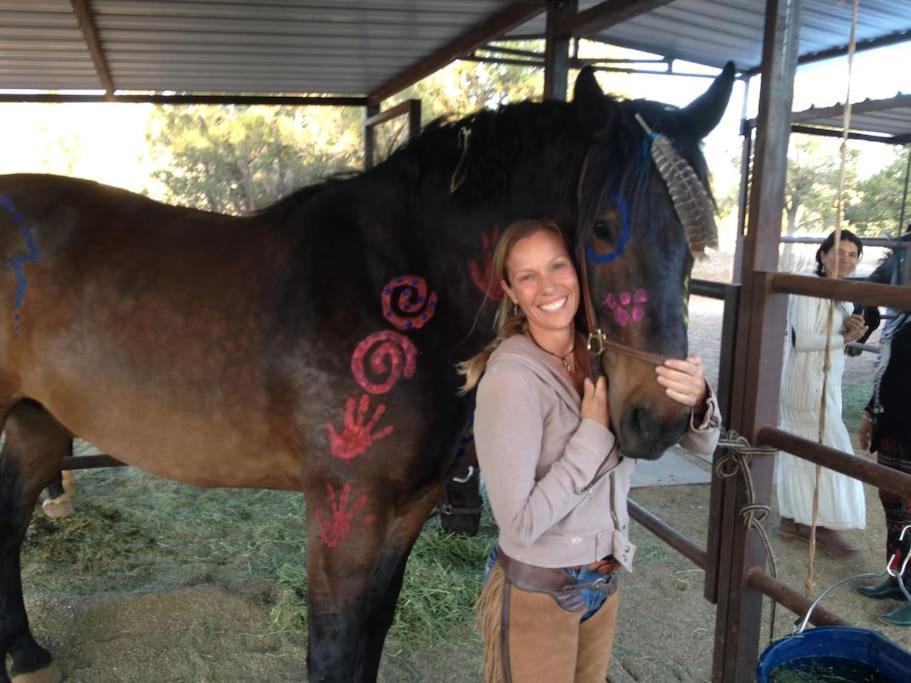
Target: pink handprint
<point>335,526</point>
<point>482,275</point>
<point>357,437</point>
<point>620,305</point>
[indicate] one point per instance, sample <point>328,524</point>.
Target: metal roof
<point>889,118</point>
<point>712,32</point>
<point>368,48</point>
<point>350,47</point>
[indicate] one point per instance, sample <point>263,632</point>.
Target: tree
<point>236,159</point>
<point>877,209</point>
<point>811,189</point>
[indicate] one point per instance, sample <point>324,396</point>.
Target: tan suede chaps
<point>529,637</point>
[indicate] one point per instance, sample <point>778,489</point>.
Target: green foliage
<point>235,159</point>
<point>878,208</point>
<point>811,190</point>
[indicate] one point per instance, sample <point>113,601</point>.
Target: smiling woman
<point>556,480</point>
<point>841,498</point>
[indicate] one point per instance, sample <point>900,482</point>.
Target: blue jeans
<point>593,599</point>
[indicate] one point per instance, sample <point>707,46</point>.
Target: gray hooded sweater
<point>556,484</point>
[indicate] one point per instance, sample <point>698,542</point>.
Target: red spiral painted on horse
<point>391,355</point>
<point>413,307</point>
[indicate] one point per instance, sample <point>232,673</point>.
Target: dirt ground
<point>218,630</point>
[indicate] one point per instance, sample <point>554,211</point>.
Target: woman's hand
<point>854,328</point>
<point>684,381</point>
<point>594,401</point>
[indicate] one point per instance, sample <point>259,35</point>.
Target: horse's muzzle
<point>644,436</point>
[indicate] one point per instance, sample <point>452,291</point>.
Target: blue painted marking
<point>18,262</point>
<point>625,234</point>
<point>647,143</point>
<point>30,256</point>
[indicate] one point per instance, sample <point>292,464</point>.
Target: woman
<point>556,484</point>
<point>841,498</point>
<point>886,431</point>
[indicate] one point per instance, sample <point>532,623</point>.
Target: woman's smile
<point>554,305</point>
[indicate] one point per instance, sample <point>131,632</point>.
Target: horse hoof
<point>49,674</point>
<point>58,507</point>
<point>69,482</point>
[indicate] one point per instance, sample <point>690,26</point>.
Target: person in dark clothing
<point>886,431</point>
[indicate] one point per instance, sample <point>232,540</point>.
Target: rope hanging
<point>810,580</point>
<point>733,458</point>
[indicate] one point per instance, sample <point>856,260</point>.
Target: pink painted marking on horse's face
<point>627,307</point>
<point>390,354</point>
<point>482,272</point>
<point>413,307</point>
<point>357,435</point>
<point>621,317</point>
<point>336,524</point>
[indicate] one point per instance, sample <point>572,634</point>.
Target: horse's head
<point>644,213</point>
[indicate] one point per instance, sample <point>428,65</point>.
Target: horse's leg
<point>35,445</point>
<point>60,492</point>
<point>354,582</point>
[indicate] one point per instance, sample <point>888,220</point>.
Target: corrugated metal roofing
<point>714,31</point>
<point>888,117</point>
<point>352,47</point>
<point>216,46</point>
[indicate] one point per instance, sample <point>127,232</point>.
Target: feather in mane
<point>692,203</point>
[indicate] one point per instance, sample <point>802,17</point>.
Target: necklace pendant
<point>567,365</point>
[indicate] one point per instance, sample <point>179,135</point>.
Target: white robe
<point>841,498</point>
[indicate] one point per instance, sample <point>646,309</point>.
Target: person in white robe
<point>841,498</point>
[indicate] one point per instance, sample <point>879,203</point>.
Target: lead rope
<point>810,580</point>
<point>735,456</point>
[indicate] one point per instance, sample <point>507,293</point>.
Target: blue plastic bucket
<point>848,653</point>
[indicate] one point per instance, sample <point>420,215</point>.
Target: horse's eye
<point>602,229</point>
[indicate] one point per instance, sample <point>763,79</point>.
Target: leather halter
<point>596,342</point>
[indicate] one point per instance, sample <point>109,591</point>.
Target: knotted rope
<point>734,457</point>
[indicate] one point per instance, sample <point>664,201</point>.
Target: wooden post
<point>556,49</point>
<point>761,324</point>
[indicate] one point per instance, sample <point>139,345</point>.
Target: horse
<point>312,346</point>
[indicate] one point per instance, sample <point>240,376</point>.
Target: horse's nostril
<point>638,423</point>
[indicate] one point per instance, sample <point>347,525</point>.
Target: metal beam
<point>842,50</point>
<point>864,107</point>
<point>87,24</point>
<point>835,133</point>
<point>556,49</point>
<point>761,325</point>
<point>667,533</point>
<point>605,15</point>
<point>375,117</point>
<point>278,100</point>
<point>513,15</point>
<point>794,601</point>
<point>869,293</point>
<point>867,471</point>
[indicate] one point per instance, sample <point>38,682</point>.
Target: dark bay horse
<point>312,347</point>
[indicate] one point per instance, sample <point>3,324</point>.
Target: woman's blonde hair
<point>509,319</point>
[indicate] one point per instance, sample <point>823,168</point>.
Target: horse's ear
<point>704,113</point>
<point>590,102</point>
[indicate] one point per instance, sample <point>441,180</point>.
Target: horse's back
<point>137,323</point>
